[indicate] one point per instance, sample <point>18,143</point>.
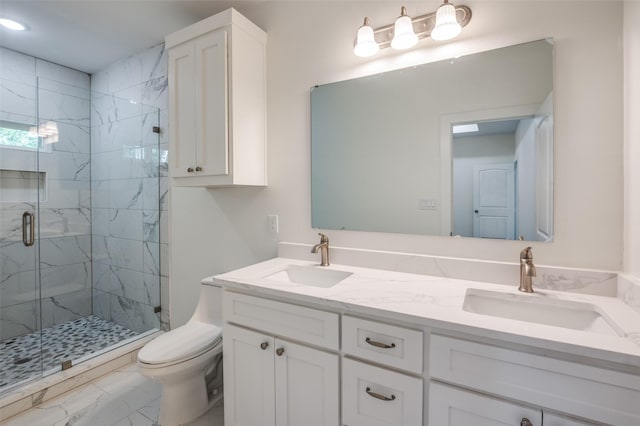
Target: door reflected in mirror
<point>384,157</point>
<point>496,167</point>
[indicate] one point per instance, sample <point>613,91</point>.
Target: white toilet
<point>187,361</point>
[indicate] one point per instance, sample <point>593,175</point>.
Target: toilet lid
<point>181,343</point>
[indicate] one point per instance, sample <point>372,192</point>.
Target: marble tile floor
<point>121,398</point>
<point>20,356</point>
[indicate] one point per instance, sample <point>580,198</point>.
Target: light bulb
<point>365,41</point>
<point>447,26</point>
<point>11,24</point>
<point>403,35</point>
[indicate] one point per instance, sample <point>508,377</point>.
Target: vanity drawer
<point>383,343</point>
<point>589,392</point>
<point>374,396</point>
<point>307,325</point>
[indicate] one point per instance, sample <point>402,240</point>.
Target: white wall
<point>632,137</point>
<point>311,43</point>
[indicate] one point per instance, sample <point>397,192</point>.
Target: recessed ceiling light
<point>465,128</point>
<point>12,25</point>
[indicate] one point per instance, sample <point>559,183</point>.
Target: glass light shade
<point>447,26</point>
<point>365,42</point>
<point>403,35</point>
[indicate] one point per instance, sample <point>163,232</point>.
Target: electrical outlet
<point>272,223</point>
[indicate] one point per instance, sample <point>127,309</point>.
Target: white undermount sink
<point>540,309</point>
<point>315,276</point>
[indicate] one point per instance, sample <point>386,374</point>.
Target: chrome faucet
<point>323,246</point>
<point>527,270</point>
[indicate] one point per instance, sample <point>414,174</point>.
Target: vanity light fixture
<point>12,25</point>
<point>444,24</point>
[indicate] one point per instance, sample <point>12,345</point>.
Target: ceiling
<point>89,35</point>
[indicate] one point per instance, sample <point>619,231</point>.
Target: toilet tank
<point>209,308</point>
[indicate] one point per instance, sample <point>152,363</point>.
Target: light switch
<point>427,204</point>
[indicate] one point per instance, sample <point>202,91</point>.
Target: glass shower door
<point>20,194</point>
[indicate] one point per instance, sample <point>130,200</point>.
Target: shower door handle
<point>28,220</point>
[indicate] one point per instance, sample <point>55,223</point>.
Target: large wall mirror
<point>457,147</point>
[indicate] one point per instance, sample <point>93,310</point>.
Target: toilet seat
<point>181,344</point>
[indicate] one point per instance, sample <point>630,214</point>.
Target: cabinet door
<point>248,378</point>
<point>211,111</point>
<point>307,386</point>
<point>182,110</point>
<point>450,406</point>
<point>556,420</point>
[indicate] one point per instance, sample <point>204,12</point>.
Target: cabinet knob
<point>525,422</point>
<point>198,169</point>
<point>279,351</point>
<point>379,395</point>
<point>264,345</point>
<point>379,344</point>
<point>189,169</point>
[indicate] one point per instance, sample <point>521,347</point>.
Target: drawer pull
<point>379,396</point>
<point>264,345</point>
<point>525,422</point>
<point>379,344</point>
<point>279,351</point>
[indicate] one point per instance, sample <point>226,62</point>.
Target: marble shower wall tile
<point>18,98</point>
<point>67,194</point>
<point>65,307</point>
<point>73,138</point>
<point>60,74</point>
<point>133,315</point>
<point>63,108</point>
<point>15,257</point>
<point>17,67</point>
<point>16,320</point>
<point>126,159</point>
<point>17,288</point>
<point>65,250</point>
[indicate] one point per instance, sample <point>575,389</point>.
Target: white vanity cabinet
<point>272,380</point>
<point>217,98</point>
<point>601,395</point>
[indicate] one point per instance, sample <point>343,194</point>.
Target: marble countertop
<point>437,302</point>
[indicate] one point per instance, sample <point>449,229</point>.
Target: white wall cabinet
<point>217,98</point>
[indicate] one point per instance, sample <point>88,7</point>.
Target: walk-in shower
<point>80,214</point>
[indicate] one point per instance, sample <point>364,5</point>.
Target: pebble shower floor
<point>20,356</point>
